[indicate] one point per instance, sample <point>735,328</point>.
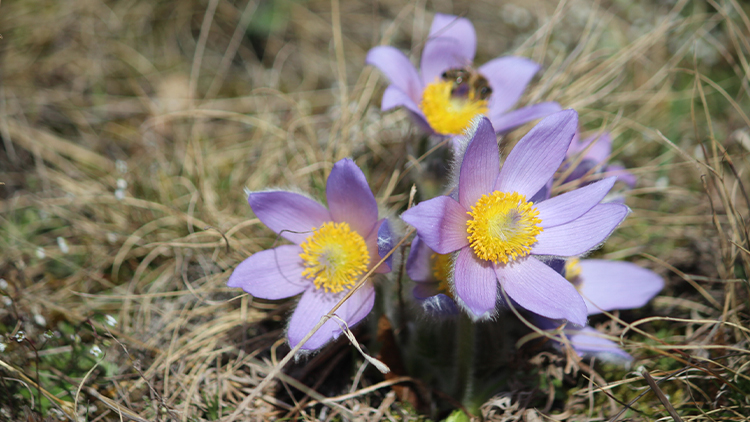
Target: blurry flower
<point>586,341</point>
<point>594,159</point>
<point>332,249</point>
<point>605,286</point>
<point>609,285</point>
<point>110,320</point>
<point>431,272</point>
<point>449,92</point>
<point>497,232</point>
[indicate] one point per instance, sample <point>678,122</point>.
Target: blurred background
<point>131,129</point>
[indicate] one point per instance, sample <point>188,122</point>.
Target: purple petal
<point>315,303</point>
<point>538,155</point>
<point>583,168</point>
<point>505,122</point>
<point>420,121</point>
<point>440,223</point>
<point>451,44</point>
<point>571,205</point>
<point>622,175</point>
<point>582,234</point>
<point>538,288</point>
<point>271,274</point>
<point>508,78</point>
<point>543,194</point>
<point>398,69</point>
<point>589,342</point>
<point>350,198</point>
<point>425,290</point>
<point>394,97</point>
<point>287,212</point>
<point>480,166</point>
<point>599,152</point>
<point>418,264</point>
<point>385,242</point>
<point>374,247</point>
<point>608,285</point>
<point>439,305</point>
<point>475,283</point>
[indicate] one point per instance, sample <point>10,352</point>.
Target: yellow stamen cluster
<point>448,114</point>
<point>334,257</point>
<point>441,270</point>
<point>572,269</point>
<point>503,226</point>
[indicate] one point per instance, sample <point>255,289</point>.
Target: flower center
<point>503,227</point>
<point>447,112</point>
<point>441,270</point>
<point>334,257</point>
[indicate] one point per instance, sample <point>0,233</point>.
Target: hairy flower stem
<point>465,345</point>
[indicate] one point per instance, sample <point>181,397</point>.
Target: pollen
<point>334,257</point>
<point>573,270</point>
<point>441,270</point>
<point>449,114</point>
<point>503,227</point>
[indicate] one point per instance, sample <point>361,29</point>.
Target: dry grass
<point>129,130</point>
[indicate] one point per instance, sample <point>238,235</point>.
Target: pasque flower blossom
<point>605,286</point>
<point>448,92</point>
<point>498,234</point>
<point>332,248</point>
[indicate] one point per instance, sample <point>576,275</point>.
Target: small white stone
<point>63,245</point>
<point>121,166</point>
<point>40,253</point>
<point>698,153</point>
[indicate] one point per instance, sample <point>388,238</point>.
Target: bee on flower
<point>448,92</point>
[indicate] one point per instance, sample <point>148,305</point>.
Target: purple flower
<point>430,272</point>
<point>333,248</point>
<point>594,159</point>
<point>605,286</point>
<point>449,92</point>
<point>498,234</point>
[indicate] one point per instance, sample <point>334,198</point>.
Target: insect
<point>466,79</point>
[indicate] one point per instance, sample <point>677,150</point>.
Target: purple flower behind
<point>605,286</point>
<point>430,272</point>
<point>449,93</point>
<point>594,159</point>
<point>499,235</point>
<point>332,249</point>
